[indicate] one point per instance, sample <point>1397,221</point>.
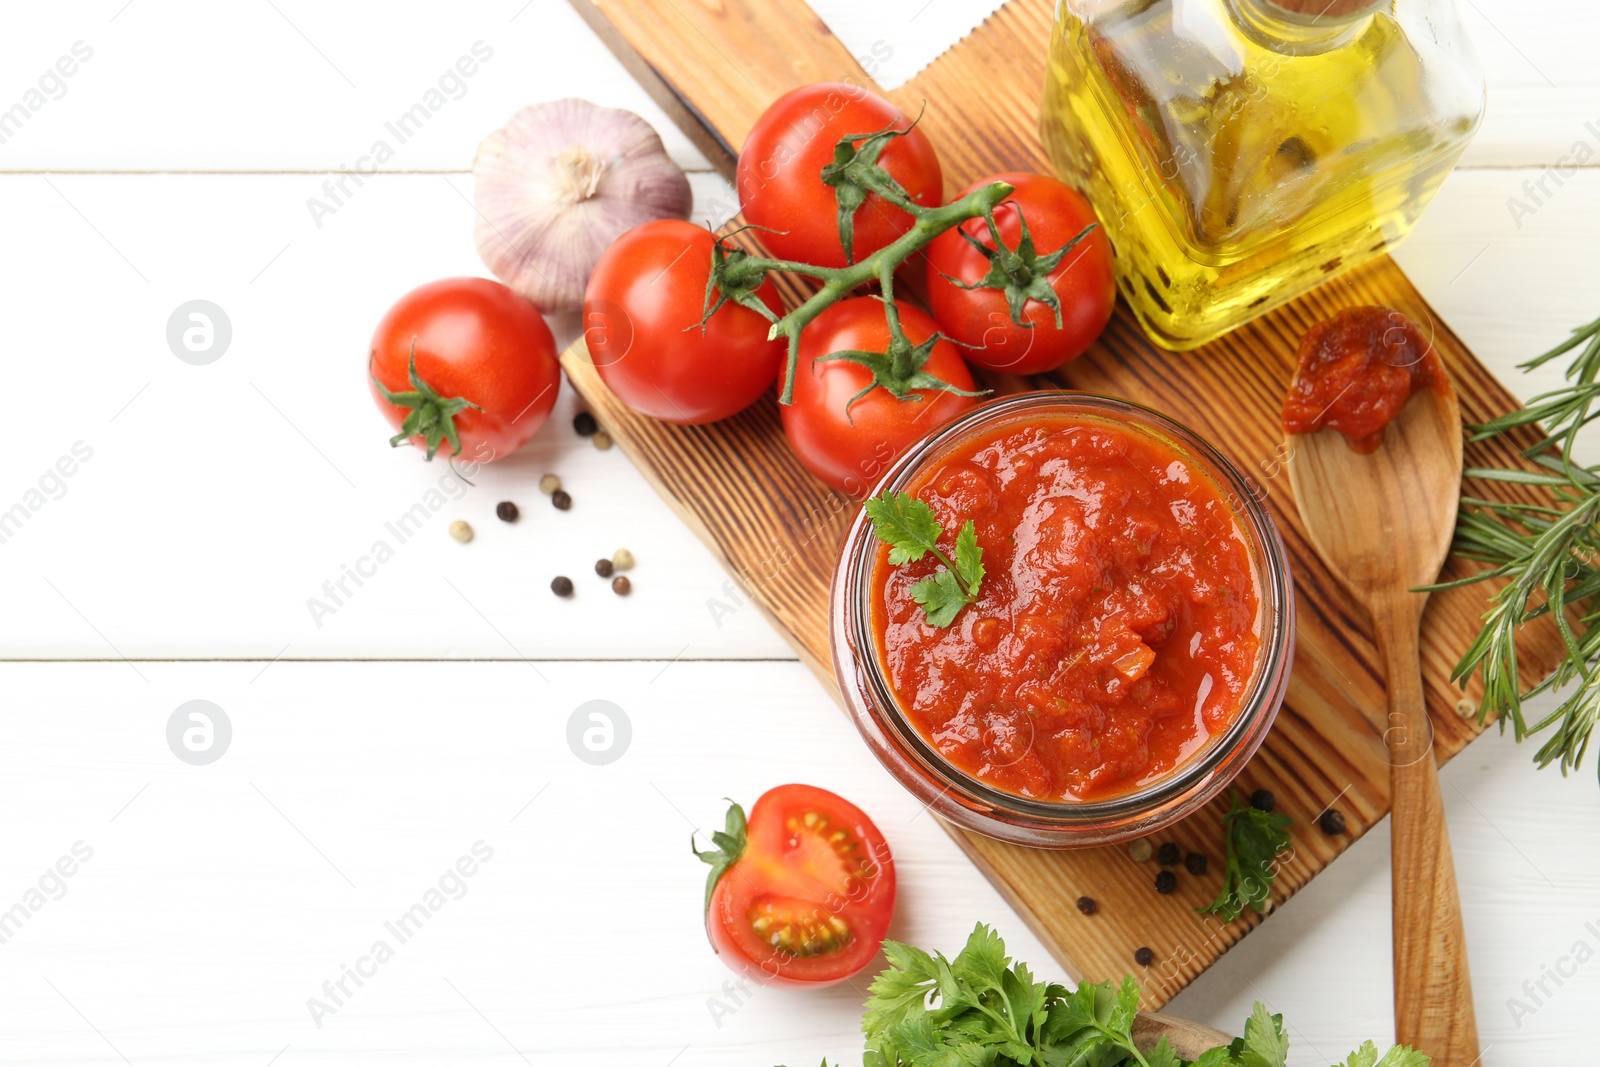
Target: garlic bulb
<point>560,182</point>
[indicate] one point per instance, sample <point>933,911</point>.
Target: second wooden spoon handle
<point>1432,983</point>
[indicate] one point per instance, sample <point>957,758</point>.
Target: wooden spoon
<point>1188,1039</point>
<point>1383,523</point>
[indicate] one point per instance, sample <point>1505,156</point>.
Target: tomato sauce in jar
<point>1117,628</point>
<point>1356,371</point>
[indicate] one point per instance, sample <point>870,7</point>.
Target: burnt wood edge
<point>684,115</point>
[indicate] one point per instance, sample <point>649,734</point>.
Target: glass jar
<point>1239,152</point>
<point>969,802</point>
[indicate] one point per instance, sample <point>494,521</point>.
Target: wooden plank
<point>718,153</point>
<point>779,530</point>
<point>728,60</point>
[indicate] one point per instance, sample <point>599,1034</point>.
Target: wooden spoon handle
<point>1432,984</point>
<point>1188,1039</point>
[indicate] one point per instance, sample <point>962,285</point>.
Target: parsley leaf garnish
<point>1398,1056</point>
<point>981,1010</point>
<point>1264,1043</point>
<point>911,530</point>
<point>1254,839</point>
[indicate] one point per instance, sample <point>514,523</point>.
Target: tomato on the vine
<point>780,174</point>
<point>1081,283</point>
<point>846,425</point>
<point>641,324</point>
<point>464,362</point>
<point>802,892</point>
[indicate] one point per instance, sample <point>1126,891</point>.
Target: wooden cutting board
<point>716,64</point>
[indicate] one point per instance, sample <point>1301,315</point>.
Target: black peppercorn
<point>1166,882</point>
<point>603,567</point>
<point>1168,855</point>
<point>561,500</point>
<point>1087,905</point>
<point>584,424</point>
<point>506,511</point>
<point>1195,863</point>
<point>621,586</point>
<point>1262,800</point>
<point>561,585</point>
<point>1144,957</point>
<point>1331,822</point>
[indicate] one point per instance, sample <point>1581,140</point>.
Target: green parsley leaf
<point>982,1010</point>
<point>941,597</point>
<point>1264,1043</point>
<point>1397,1056</point>
<point>1254,839</point>
<point>907,525</point>
<point>1163,1056</point>
<point>911,530</point>
<point>900,991</point>
<point>969,556</point>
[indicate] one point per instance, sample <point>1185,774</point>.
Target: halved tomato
<point>802,892</point>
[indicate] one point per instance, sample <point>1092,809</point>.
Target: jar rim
<point>966,799</point>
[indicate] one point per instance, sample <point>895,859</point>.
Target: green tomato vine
<point>855,173</point>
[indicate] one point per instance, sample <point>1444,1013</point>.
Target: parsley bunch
<point>911,530</point>
<point>981,1010</point>
<point>1254,839</point>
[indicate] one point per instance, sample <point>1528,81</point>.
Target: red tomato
<point>641,315</point>
<point>477,343</point>
<point>850,447</point>
<point>780,173</point>
<point>1083,282</point>
<point>803,893</point>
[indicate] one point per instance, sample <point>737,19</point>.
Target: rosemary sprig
<point>1549,555</point>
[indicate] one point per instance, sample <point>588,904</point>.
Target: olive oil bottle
<point>1239,152</point>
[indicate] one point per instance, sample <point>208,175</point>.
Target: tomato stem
<point>898,369</point>
<point>730,845</point>
<point>839,282</point>
<point>1021,273</point>
<point>431,416</point>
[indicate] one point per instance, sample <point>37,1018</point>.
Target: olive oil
<point>1240,152</point>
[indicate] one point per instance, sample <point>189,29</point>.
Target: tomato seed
<point>461,531</point>
<point>584,424</point>
<point>561,585</point>
<point>506,511</point>
<point>603,567</point>
<point>561,499</point>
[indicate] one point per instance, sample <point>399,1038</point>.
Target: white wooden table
<point>429,713</point>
